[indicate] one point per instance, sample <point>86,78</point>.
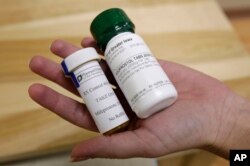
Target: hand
<point>204,116</point>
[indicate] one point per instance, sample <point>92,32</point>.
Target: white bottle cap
<point>78,58</point>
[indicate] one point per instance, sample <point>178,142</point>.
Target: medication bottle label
<point>134,67</point>
<point>99,97</point>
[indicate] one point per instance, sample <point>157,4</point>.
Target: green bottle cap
<point>108,24</point>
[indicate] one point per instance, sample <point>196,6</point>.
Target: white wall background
<point>235,4</point>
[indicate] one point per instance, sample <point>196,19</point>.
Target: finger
<point>51,71</point>
<point>63,48</point>
<point>121,145</point>
<point>63,106</point>
<point>90,42</point>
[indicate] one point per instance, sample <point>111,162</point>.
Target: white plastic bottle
<point>93,86</point>
<point>137,72</point>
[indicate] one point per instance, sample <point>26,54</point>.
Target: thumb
<point>121,145</point>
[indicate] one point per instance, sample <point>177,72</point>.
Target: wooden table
<point>192,32</point>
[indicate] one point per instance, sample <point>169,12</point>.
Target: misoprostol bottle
<point>137,72</point>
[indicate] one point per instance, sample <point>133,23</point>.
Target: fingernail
<point>77,159</point>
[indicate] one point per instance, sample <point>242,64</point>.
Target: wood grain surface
<point>195,33</point>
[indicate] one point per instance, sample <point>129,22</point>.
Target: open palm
<point>193,121</point>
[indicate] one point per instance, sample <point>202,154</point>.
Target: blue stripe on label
<point>65,69</point>
<point>71,74</point>
<point>74,79</point>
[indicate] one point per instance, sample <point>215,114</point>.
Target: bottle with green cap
<point>137,72</point>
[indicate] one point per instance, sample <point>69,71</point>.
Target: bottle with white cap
<point>86,73</point>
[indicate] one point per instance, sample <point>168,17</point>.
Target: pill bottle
<point>86,73</point>
<point>137,72</point>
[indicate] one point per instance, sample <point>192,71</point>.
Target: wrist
<point>240,134</point>
<point>233,127</point>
